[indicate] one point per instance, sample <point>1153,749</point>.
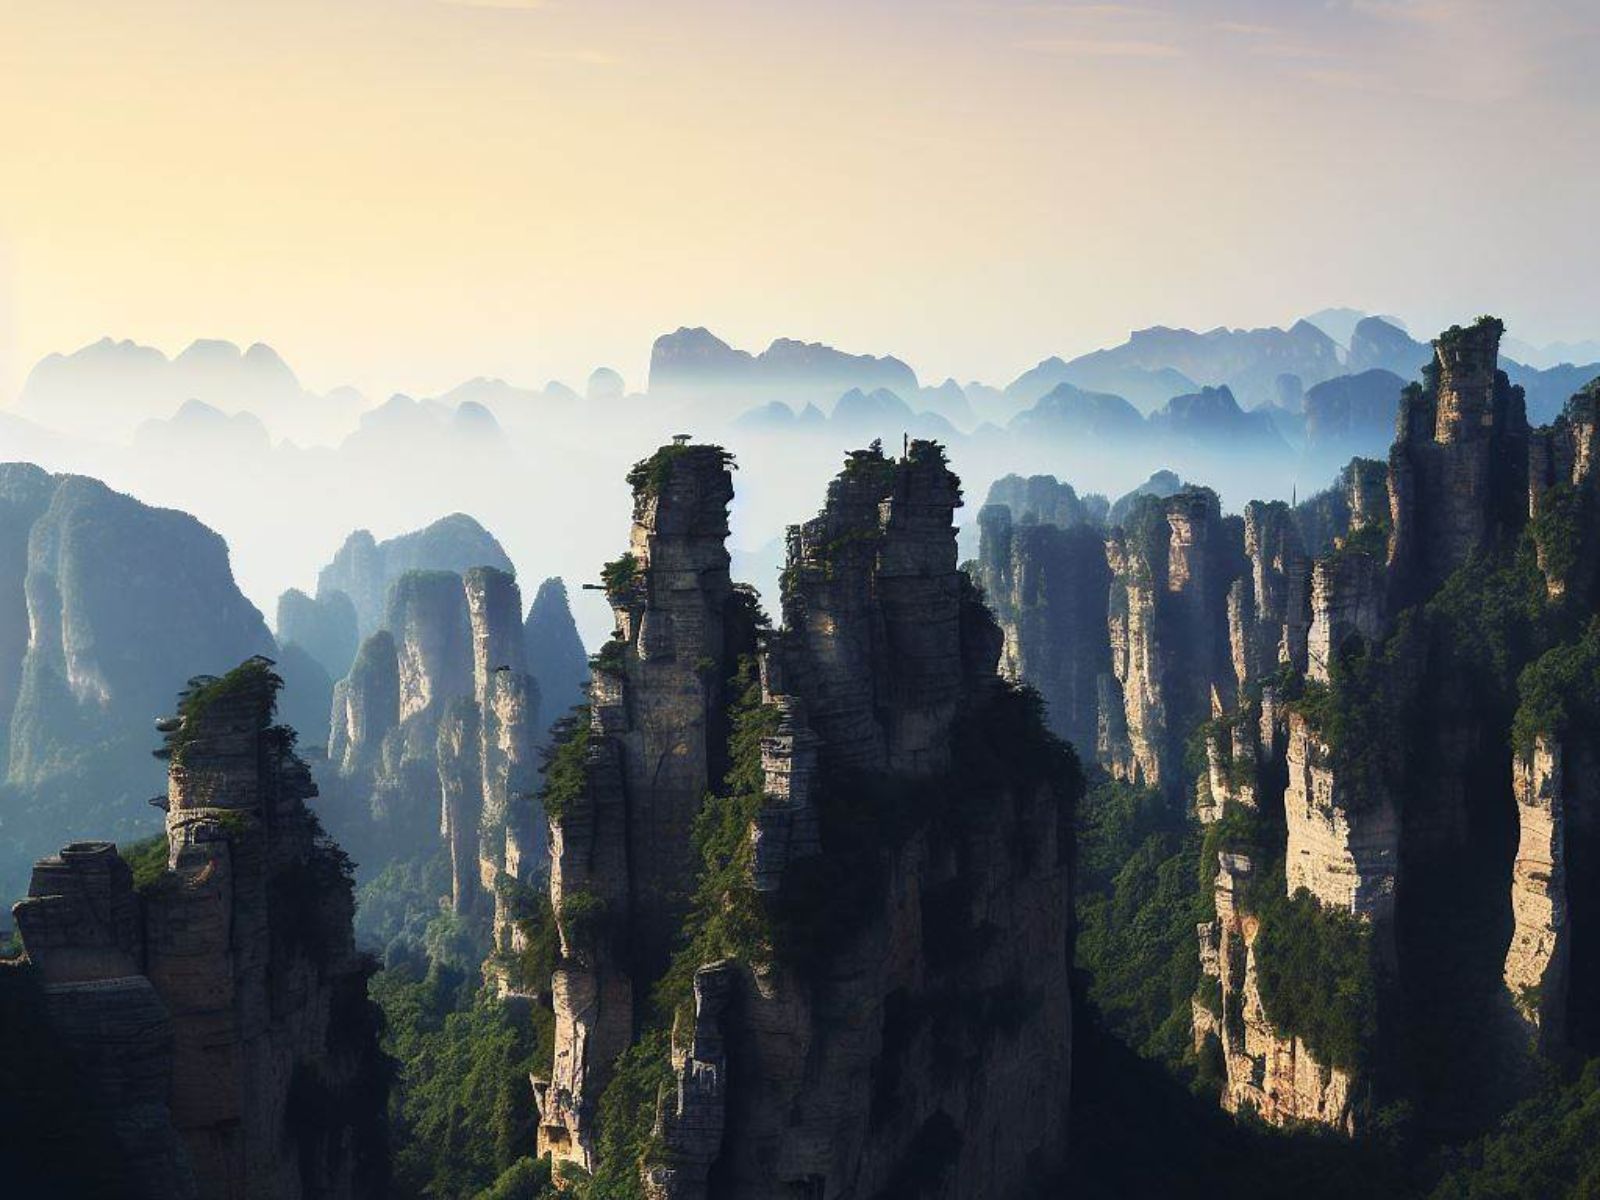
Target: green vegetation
<point>727,917</point>
<point>461,1110</point>
<point>870,466</point>
<point>253,678</point>
<point>1359,711</point>
<point>650,475</point>
<point>609,657</point>
<point>582,917</point>
<point>1146,535</point>
<point>1314,969</point>
<point>1371,540</point>
<point>395,907</point>
<point>1559,690</point>
<point>1139,901</point>
<point>626,1118</point>
<point>618,574</point>
<point>566,774</point>
<point>1547,1146</point>
<point>1557,529</point>
<point>148,860</point>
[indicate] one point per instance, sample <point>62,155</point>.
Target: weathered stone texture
<point>1275,1076</point>
<point>1347,600</point>
<point>1342,848</point>
<point>1536,961</point>
<point>204,1005</point>
<point>1048,587</point>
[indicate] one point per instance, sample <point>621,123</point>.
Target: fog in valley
<point>285,474</point>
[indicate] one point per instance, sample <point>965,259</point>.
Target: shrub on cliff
<point>1314,968</point>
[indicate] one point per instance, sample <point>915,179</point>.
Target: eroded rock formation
<point>221,1009</point>
<point>814,1057</point>
<point>1267,1072</point>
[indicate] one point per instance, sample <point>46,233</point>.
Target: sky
<point>402,194</point>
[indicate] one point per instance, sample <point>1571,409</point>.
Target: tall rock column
<point>1537,960</point>
<point>623,792</point>
<point>1458,468</point>
<point>507,700</point>
<point>248,941</point>
<point>817,1061</point>
<point>1048,588</point>
<point>1268,1072</point>
<point>1173,565</point>
<point>222,1010</point>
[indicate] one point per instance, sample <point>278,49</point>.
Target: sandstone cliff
<point>434,736</point>
<point>883,885</point>
<point>1048,583</point>
<point>1173,565</point>
<point>221,1009</point>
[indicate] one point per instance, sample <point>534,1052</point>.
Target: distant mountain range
<point>1260,388</point>
<point>109,388</point>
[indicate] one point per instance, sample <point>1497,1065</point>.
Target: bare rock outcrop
<point>1537,960</point>
<point>225,979</point>
<point>1267,1072</point>
<point>1458,469</point>
<point>641,762</point>
<point>1348,590</point>
<point>1343,847</point>
<point>816,1057</point>
<point>1048,585</point>
<point>1172,566</point>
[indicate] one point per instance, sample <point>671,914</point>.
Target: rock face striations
<point>220,1010</point>
<point>1398,751</point>
<point>1048,583</point>
<point>878,827</point>
<point>1458,472</point>
<point>434,736</point>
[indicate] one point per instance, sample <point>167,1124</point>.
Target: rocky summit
<point>213,1008</point>
<point>878,824</point>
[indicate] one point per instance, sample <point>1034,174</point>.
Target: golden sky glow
<point>405,193</point>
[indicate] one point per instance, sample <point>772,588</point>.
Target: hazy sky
<point>404,193</point>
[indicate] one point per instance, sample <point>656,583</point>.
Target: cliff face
<point>1173,566</point>
<point>621,847</point>
<point>1267,605</point>
<point>1355,669</point>
<point>364,569</point>
<point>246,1061</point>
<point>1343,848</point>
<point>1272,1074</point>
<point>1537,960</point>
<point>24,494</point>
<point>102,601</point>
<point>1458,469</point>
<point>119,597</point>
<point>823,991</point>
<point>434,733</point>
<point>1561,497</point>
<point>1048,585</point>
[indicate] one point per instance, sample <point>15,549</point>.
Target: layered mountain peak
<point>734,752</point>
